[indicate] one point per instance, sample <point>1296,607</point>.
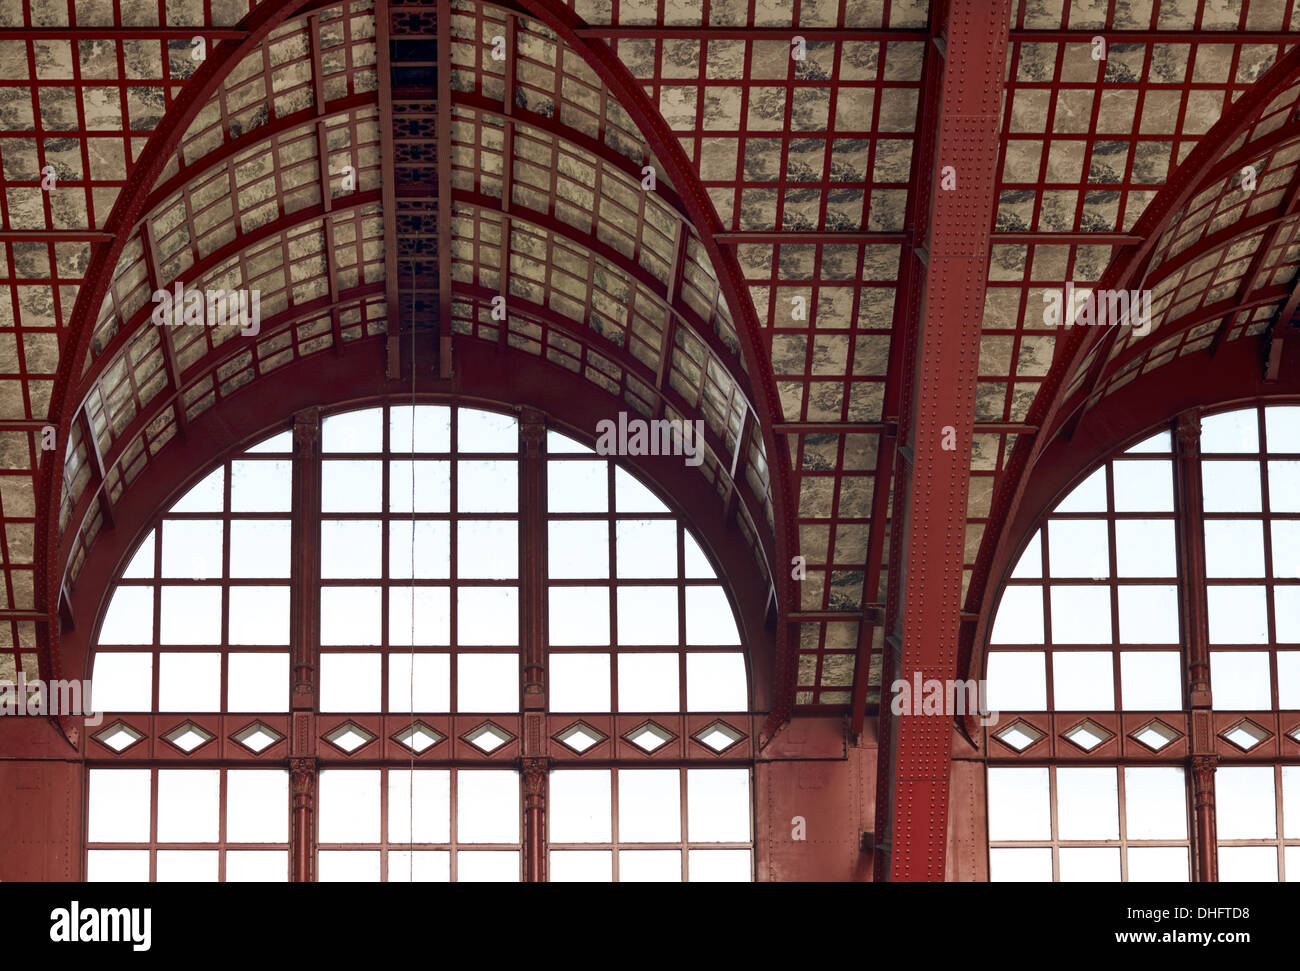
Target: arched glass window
<point>1145,662</point>
<point>451,647</point>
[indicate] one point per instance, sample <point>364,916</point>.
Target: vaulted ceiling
<point>381,175</point>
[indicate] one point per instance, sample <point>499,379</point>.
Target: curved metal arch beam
<point>598,55</point>
<point>277,227</point>
<point>353,379</point>
<point>1050,410</point>
<point>213,359</point>
<point>126,212</point>
<point>599,248</point>
<point>231,147</point>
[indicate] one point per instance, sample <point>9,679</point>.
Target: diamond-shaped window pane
<point>1019,735</point>
<point>349,737</point>
<point>1246,735</point>
<point>488,737</point>
<point>119,736</point>
<point>580,737</point>
<point>1156,735</point>
<point>719,736</point>
<point>257,737</point>
<point>418,737</point>
<point>1088,735</point>
<point>1295,734</point>
<point>188,737</point>
<point>649,736</point>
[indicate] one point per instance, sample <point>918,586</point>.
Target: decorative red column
<point>534,765</point>
<point>302,778</point>
<point>1207,838</point>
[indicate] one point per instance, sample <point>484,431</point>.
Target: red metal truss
<point>939,400</point>
<point>1082,353</point>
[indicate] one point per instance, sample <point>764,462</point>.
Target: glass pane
<point>119,806</point>
<point>1247,864</point>
<point>698,566</point>
<point>709,619</point>
<point>1234,548</point>
<point>1145,548</point>
<point>648,682</point>
<point>577,486</point>
<point>581,866</point>
<point>1080,615</point>
<point>190,615</point>
<point>1018,804</point>
<point>257,866</point>
<point>259,615</point>
<point>1238,615</point>
<point>647,615</point>
<point>578,616</point>
<point>1150,680</point>
<point>354,431</point>
<point>1241,680</point>
<point>432,550</point>
<point>1155,803</point>
<point>424,866</point>
<point>188,805</point>
<point>432,428</point>
<point>630,495</point>
<point>1020,866</point>
<point>351,549</point>
<point>259,548</point>
<point>487,806</point>
<point>1083,680</point>
<point>261,485</point>
<point>1153,864</point>
<point>1246,806</point>
<point>486,431</point>
<point>579,806</point>
<point>487,682</point>
<point>118,866</point>
<point>1282,426</point>
<point>1230,431</point>
<point>349,615</point>
<point>349,806</point>
<point>476,866</point>
<point>428,806</point>
<point>716,682</point>
<point>717,805</point>
<point>281,443</point>
<point>1088,496</point>
<point>356,486</point>
<point>187,866</point>
<point>578,682</point>
<point>207,496</point>
<point>578,550</point>
<point>649,806</point>
<point>487,616</point>
<point>1078,548</point>
<point>1284,486</point>
<point>719,866</point>
<point>428,625</point>
<point>257,806</point>
<point>429,492</point>
<point>646,548</point>
<point>1089,864</point>
<point>1017,681</point>
<point>191,548</point>
<point>1230,486</point>
<point>189,682</point>
<point>490,486</point>
<point>1030,564</point>
<point>258,682</point>
<point>129,618</point>
<point>430,688</point>
<point>650,866</point>
<point>1019,618</point>
<point>1148,615</point>
<point>1142,485</point>
<point>141,565</point>
<point>348,866</point>
<point>487,549</point>
<point>1087,804</point>
<point>349,682</point>
<point>122,681</point>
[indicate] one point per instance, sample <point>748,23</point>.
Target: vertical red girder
<point>925,632</point>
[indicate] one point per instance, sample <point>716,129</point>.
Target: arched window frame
<point>538,743</point>
<point>1225,754</point>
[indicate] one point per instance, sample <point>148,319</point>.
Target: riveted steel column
<point>534,764</point>
<point>932,484</point>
